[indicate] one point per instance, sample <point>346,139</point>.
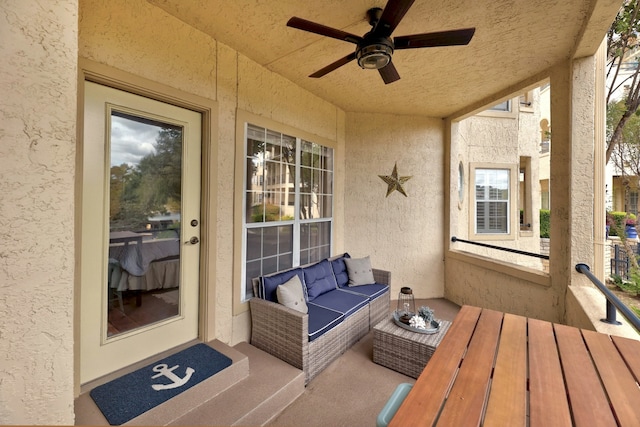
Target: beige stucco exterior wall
<point>400,234</point>
<point>143,40</point>
<point>526,292</point>
<point>498,138</point>
<point>37,163</point>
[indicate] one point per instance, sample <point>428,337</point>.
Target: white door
<point>140,229</point>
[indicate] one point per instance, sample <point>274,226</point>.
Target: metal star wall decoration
<point>394,182</point>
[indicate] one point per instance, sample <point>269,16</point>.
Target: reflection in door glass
<point>143,273</point>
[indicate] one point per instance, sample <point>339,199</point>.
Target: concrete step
<point>252,391</point>
<point>88,413</point>
<point>271,386</point>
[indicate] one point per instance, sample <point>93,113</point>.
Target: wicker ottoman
<point>403,350</point>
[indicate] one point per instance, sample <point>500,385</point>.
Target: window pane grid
<point>273,179</point>
<point>492,201</point>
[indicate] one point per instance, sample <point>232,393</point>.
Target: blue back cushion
<point>271,283</point>
<point>340,270</point>
<point>319,279</point>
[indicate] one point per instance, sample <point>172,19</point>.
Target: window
<point>288,203</point>
<point>503,106</point>
<point>633,202</point>
<point>494,191</point>
<point>492,201</point>
<point>524,194</point>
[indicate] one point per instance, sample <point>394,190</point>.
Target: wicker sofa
<point>338,314</point>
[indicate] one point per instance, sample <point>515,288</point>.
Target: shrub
<point>616,222</point>
<point>632,286</point>
<point>271,213</point>
<point>545,223</point>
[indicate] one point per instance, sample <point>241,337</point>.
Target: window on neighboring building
<point>524,194</point>
<point>494,191</point>
<point>492,201</point>
<point>288,204</point>
<point>503,106</point>
<point>633,202</point>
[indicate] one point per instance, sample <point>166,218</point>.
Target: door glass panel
<point>143,265</point>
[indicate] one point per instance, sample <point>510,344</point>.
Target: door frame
<point>102,74</point>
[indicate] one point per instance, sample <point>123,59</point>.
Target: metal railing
<point>500,248</point>
<point>613,302</point>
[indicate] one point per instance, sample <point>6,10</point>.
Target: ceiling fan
<point>375,48</point>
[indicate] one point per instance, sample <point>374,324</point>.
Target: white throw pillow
<point>290,294</point>
<point>359,271</point>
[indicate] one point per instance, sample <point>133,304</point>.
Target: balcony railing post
<point>613,302</point>
<point>611,314</point>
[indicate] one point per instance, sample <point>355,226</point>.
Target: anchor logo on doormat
<point>133,394</point>
<point>164,370</point>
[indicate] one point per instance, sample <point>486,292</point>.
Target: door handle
<point>193,240</point>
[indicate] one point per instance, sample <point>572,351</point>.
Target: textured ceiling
<point>514,40</point>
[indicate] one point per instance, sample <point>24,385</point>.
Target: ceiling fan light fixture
<point>374,56</point>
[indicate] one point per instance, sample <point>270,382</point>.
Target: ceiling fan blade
<point>323,30</point>
<point>442,38</point>
<point>331,67</point>
<point>389,73</point>
<point>392,14</point>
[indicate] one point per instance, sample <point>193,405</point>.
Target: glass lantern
<point>406,304</point>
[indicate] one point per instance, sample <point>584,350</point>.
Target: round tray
<point>435,326</point>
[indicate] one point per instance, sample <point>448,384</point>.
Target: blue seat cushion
<point>321,320</point>
<point>342,301</point>
<point>318,279</point>
<point>270,283</point>
<point>340,270</point>
<point>372,291</point>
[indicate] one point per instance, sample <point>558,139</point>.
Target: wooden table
<point>498,369</point>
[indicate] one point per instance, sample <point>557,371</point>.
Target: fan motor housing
<point>374,52</point>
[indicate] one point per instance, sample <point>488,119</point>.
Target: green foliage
<point>262,213</point>
<point>545,223</point>
<point>632,286</point>
<point>150,187</point>
<point>617,221</point>
<point>426,313</point>
<point>617,280</point>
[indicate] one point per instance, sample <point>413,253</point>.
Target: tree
<point>150,187</point>
<point>622,48</point>
<point>161,173</point>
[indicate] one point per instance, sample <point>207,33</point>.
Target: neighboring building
<point>507,215</point>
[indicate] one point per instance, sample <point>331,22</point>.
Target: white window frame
<point>296,222</point>
<point>512,202</point>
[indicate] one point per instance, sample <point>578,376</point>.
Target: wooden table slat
<point>548,403</point>
<point>416,410</point>
<point>589,404</point>
<point>630,351</point>
<point>618,381</point>
<point>466,399</point>
<point>507,404</point>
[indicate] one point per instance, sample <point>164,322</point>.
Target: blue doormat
<point>133,394</point>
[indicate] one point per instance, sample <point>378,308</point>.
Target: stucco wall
<point>401,234</point>
<point>142,39</point>
<point>475,281</point>
<point>37,162</point>
<point>500,139</point>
